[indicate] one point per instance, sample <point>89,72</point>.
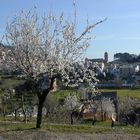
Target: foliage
<point>71,103</point>
<point>129,111</point>
<point>45,48</point>
<point>39,45</point>
<point>5,101</point>
<point>108,106</point>
<point>126,57</point>
<point>80,75</point>
<point>59,111</point>
<point>13,104</point>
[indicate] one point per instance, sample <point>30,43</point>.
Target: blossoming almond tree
<point>43,48</point>
<point>71,104</point>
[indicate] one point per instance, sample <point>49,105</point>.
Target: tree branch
<point>88,29</point>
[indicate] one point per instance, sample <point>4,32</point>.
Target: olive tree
<point>42,48</point>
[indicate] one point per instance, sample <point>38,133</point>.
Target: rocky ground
<point>43,135</point>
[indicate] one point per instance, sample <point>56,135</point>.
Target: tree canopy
<point>126,57</point>
<point>43,48</point>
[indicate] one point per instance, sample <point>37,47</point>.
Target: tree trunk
<point>71,118</point>
<point>25,117</point>
<point>112,123</point>
<point>41,100</point>
<point>4,114</point>
<point>15,115</point>
<point>24,109</point>
<point>39,114</point>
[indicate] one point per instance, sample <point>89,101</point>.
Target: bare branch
<point>89,28</point>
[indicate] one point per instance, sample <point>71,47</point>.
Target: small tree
<point>71,104</point>
<point>108,106</point>
<point>43,48</point>
<point>129,110</point>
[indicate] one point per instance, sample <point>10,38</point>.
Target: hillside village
<point>116,73</point>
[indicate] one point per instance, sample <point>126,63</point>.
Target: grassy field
<point>9,81</point>
<point>68,132</point>
<point>66,128</point>
<point>61,94</point>
<point>121,93</point>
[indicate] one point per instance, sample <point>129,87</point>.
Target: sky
<point>119,33</point>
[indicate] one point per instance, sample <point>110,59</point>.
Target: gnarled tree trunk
<point>41,99</point>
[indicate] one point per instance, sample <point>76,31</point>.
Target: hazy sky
<point>120,33</point>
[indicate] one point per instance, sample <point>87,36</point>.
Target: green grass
<point>10,82</point>
<point>61,94</point>
<point>7,126</point>
<point>121,93</point>
<point>66,128</point>
<point>76,128</point>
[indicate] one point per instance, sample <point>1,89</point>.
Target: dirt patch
<point>41,135</point>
